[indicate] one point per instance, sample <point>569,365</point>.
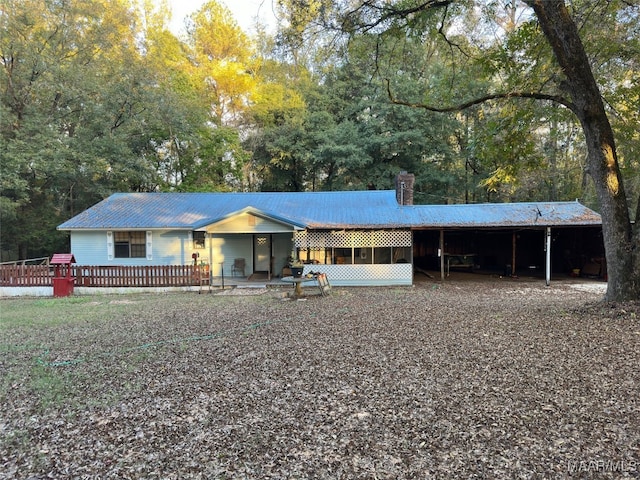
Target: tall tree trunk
<point>552,153</point>
<point>622,247</point>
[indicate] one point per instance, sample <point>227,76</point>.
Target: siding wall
<point>168,248</point>
<point>89,248</point>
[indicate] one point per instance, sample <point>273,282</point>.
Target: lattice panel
<point>365,275</point>
<point>353,238</point>
<point>392,238</point>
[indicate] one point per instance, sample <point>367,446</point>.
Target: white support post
<point>209,235</point>
<point>547,247</point>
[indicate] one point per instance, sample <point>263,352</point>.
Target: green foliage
<point>92,104</point>
<point>219,156</point>
<point>95,100</point>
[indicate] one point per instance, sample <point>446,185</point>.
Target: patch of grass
<point>49,311</point>
<point>135,357</point>
<point>53,387</point>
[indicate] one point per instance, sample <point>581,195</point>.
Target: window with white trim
<point>199,239</point>
<point>130,244</point>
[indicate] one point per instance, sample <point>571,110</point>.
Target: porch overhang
<point>250,220</point>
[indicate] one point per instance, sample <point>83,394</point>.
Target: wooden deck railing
<point>102,276</point>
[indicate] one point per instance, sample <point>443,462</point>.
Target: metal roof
<point>318,210</point>
<point>363,209</point>
<point>492,215</point>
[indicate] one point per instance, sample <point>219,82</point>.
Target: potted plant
<point>204,269</point>
<point>296,267</point>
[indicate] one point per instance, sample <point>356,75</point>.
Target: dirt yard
<point>502,379</point>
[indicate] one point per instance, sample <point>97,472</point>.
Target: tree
<point>566,79</point>
<point>621,238</point>
<point>276,131</point>
<point>86,106</point>
<point>347,135</point>
<point>391,138</point>
<point>223,59</point>
<point>69,115</point>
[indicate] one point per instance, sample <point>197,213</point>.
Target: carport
<point>510,239</point>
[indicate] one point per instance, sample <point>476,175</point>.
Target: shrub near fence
<point>102,276</point>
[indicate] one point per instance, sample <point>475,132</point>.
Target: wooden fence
<point>25,275</point>
<point>102,276</point>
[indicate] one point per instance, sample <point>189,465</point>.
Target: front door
<point>262,252</point>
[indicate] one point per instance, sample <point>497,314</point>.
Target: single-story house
<point>372,237</point>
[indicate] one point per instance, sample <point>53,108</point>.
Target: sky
<point>244,11</point>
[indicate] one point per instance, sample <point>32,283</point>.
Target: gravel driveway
<point>502,379</point>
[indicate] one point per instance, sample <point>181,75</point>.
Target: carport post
<point>210,235</point>
<point>514,244</point>
<point>547,247</point>
<point>441,254</point>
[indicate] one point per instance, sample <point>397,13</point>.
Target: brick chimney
<point>404,188</point>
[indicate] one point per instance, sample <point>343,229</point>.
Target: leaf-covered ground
<point>501,379</point>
